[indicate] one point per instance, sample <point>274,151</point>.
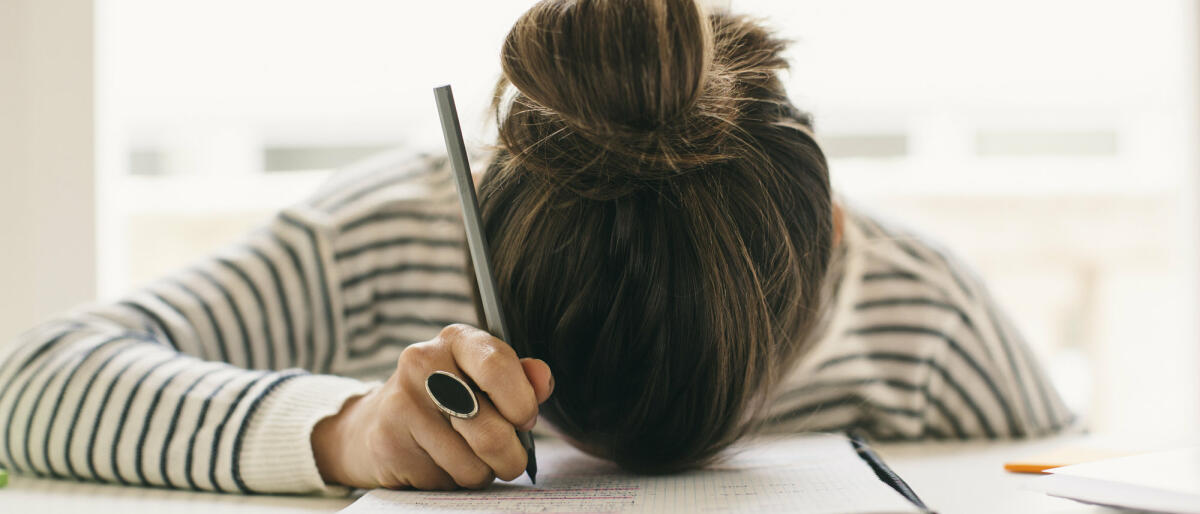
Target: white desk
<point>970,477</point>
<point>949,477</point>
<point>44,496</point>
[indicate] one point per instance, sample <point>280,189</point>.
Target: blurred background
<point>1053,144</point>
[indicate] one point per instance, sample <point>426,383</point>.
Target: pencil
<point>452,132</point>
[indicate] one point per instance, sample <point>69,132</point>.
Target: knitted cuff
<point>277,454</point>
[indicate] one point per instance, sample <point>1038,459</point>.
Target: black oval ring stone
<point>451,394</point>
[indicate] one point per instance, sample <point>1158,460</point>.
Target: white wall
<point>47,208</point>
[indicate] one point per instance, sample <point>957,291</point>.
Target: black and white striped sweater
<point>213,377</point>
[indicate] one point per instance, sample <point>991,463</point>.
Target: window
<point>1049,143</point>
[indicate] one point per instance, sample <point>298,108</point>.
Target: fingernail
<point>551,383</point>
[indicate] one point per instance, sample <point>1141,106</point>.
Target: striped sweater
<point>213,377</point>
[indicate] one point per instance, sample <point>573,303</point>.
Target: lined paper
<point>814,473</point>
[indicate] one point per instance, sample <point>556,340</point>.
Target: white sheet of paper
<point>1162,481</point>
<point>816,473</point>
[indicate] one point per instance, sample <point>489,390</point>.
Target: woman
<point>665,240</point>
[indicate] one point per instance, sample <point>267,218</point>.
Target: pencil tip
<point>531,464</point>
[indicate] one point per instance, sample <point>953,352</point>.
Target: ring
<point>451,394</point>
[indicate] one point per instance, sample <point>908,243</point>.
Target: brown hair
<point>660,222</point>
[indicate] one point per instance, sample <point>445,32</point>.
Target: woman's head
<point>659,220</point>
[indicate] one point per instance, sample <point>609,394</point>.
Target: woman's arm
<point>214,377</point>
<point>918,349</point>
<point>202,380</point>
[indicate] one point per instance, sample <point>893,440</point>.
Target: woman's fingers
<point>471,452</point>
<point>419,471</point>
<point>493,440</point>
<point>494,367</point>
<point>539,376</point>
<point>449,450</point>
<point>425,474</point>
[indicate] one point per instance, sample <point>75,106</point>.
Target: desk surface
<point>949,477</point>
<point>970,477</point>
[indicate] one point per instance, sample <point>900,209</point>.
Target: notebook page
<point>1166,481</point>
<point>1173,470</point>
<point>814,473</point>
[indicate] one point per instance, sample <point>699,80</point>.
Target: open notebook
<point>813,473</point>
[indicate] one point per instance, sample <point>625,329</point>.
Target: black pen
<point>475,240</point>
<point>881,469</point>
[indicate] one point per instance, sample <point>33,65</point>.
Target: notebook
<point>820,473</point>
<point>1161,482</point>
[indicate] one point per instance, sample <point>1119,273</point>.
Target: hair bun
<point>615,96</point>
<point>611,66</point>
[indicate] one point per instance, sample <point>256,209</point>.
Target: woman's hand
<point>395,437</point>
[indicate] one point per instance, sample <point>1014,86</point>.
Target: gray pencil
<point>475,240</point>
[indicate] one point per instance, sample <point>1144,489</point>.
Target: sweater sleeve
<point>213,377</point>
<point>1003,386</point>
<point>202,380</point>
<point>918,349</point>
